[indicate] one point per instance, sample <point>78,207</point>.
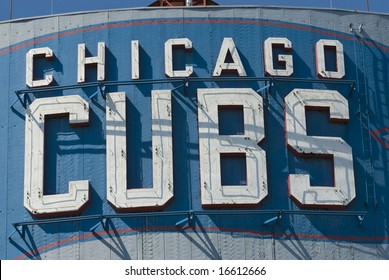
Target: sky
<point>31,8</point>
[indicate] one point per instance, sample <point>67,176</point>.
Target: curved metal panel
<point>184,229</point>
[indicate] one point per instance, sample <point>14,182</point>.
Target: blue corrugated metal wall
<point>79,153</point>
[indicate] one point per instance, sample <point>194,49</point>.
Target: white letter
<point>99,60</point>
<point>34,199</point>
<point>343,191</point>
<point>228,45</point>
<point>212,146</point>
<point>288,59</point>
<point>135,59</point>
<point>162,191</point>
<point>320,59</point>
<point>169,57</point>
<point>30,67</point>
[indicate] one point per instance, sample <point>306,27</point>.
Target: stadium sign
<point>213,146</point>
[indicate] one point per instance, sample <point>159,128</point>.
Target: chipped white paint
<point>211,145</point>
<point>162,191</point>
<point>99,60</point>
<point>135,74</point>
<point>48,79</point>
<point>285,58</point>
<point>169,57</point>
<point>343,191</point>
<point>34,199</point>
<point>228,46</point>
<point>320,59</point>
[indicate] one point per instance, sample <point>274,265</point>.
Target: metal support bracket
<point>262,89</point>
<point>93,95</point>
<point>22,100</point>
<point>274,219</point>
<point>103,222</point>
<point>101,89</point>
<point>351,28</point>
<point>360,28</point>
<point>19,229</point>
<point>187,222</point>
<point>361,219</point>
<point>185,84</point>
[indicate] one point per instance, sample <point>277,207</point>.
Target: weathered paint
<point>161,191</point>
<point>342,191</point>
<point>35,199</point>
<point>79,153</point>
<point>212,146</point>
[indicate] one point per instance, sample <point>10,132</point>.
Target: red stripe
<point>197,21</point>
